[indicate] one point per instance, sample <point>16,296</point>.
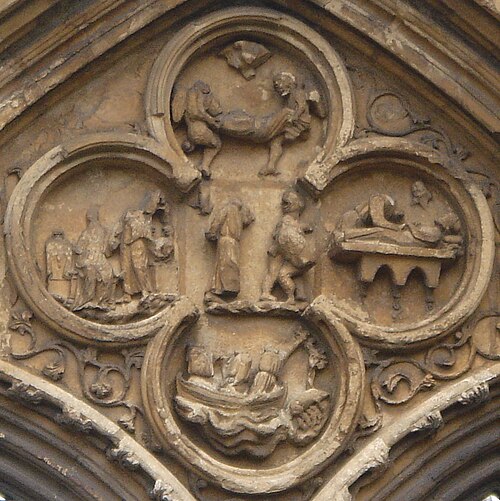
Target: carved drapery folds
<point>259,278</point>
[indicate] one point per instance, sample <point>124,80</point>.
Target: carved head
<point>58,233</point>
<point>93,214</point>
<point>292,202</point>
<point>236,202</point>
<point>153,201</point>
<point>284,83</point>
<point>449,223</point>
<point>420,194</point>
<point>202,87</point>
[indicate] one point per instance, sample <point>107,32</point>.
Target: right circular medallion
<point>410,250</point>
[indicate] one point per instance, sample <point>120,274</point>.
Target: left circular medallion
<point>91,240</point>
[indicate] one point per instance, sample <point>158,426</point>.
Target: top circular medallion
<point>249,92</point>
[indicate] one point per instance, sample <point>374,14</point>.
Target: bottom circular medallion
<point>268,398</point>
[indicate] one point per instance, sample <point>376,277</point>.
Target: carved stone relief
<point>400,236</point>
<point>260,399</point>
<point>107,260</point>
<point>248,289</point>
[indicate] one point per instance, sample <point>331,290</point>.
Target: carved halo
<point>364,158</point>
<point>339,427</point>
<point>59,165</point>
<point>263,25</point>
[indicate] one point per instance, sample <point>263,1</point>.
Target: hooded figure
<point>97,279</point>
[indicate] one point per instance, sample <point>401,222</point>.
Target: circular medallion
<point>90,233</point>
<point>277,402</point>
<point>251,90</point>
<point>411,246</point>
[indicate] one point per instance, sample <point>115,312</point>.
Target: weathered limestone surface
<point>249,252</point>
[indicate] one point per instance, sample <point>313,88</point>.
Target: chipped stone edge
<point>425,417</point>
<point>125,450</point>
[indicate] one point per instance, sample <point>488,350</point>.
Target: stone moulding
<point>376,452</point>
<point>266,25</point>
<point>123,446</point>
<point>439,169</point>
<point>237,479</point>
<point>47,171</point>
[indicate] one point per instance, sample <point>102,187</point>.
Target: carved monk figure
<point>60,266</point>
<point>287,256</point>
<point>226,228</point>
<point>236,369</point>
<point>272,361</point>
<point>97,281</point>
<point>200,365</point>
<point>266,378</point>
<point>134,235</point>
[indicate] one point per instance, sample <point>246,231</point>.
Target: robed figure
<point>60,265</point>
<point>96,276</point>
<point>226,229</point>
<point>134,235</point>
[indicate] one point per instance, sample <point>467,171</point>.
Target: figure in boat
<point>218,380</point>
<point>244,406</point>
<point>206,121</point>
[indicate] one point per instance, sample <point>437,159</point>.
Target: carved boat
<point>220,398</point>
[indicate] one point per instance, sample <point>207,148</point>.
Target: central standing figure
<point>134,235</point>
<point>225,229</point>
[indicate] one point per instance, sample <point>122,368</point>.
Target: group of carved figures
<point>374,233</point>
<point>234,397</point>
<point>206,120</point>
<point>287,254</point>
<point>82,275</point>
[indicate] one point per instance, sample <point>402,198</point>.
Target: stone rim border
<point>77,413</point>
<point>427,416</point>
<point>18,228</point>
<point>246,20</point>
<point>333,440</point>
<point>434,164</point>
